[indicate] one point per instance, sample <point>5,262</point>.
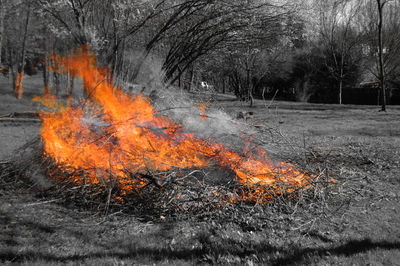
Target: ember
<point>114,136</point>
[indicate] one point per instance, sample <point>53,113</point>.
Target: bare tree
<point>16,33</point>
<point>380,26</point>
<point>381,4</point>
<point>232,39</point>
<point>339,38</point>
<point>104,25</point>
<point>383,38</point>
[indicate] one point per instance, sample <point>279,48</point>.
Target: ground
<point>356,222</point>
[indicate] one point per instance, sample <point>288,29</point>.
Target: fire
<point>117,137</point>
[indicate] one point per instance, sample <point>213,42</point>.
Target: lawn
<point>354,222</point>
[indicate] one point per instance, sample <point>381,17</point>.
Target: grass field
<point>355,223</point>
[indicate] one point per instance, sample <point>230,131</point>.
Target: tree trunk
<point>2,14</point>
<point>341,77</point>
<point>45,77</point>
<point>19,76</point>
<point>56,78</point>
<point>191,78</point>
<point>251,99</point>
<point>71,84</point>
<point>380,54</point>
<point>13,78</point>
<point>341,91</point>
<point>248,81</point>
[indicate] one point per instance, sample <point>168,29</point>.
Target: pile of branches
<point>191,192</point>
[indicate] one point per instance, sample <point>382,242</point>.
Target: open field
<point>355,223</point>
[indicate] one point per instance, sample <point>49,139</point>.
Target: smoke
<point>196,116</point>
<point>151,74</point>
<point>38,176</point>
<point>30,163</point>
<point>181,106</point>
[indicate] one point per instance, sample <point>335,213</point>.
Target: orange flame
<point>114,135</point>
<point>19,91</point>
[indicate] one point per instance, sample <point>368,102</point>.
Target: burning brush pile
<point>119,146</point>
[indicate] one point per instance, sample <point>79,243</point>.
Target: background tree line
<point>333,51</point>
